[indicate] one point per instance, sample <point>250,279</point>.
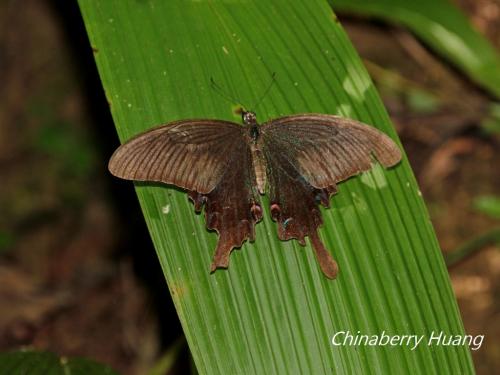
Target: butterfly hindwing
<point>232,208</point>
<point>294,205</point>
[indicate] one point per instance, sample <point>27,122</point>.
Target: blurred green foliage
<point>7,239</point>
<point>489,205</point>
<point>491,123</point>
<point>443,27</point>
<point>62,141</point>
<point>30,362</point>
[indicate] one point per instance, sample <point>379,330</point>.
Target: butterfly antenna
<point>273,80</point>
<point>218,89</point>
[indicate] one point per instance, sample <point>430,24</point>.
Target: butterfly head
<point>249,117</point>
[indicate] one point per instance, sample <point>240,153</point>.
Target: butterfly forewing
<point>191,154</point>
<point>327,149</point>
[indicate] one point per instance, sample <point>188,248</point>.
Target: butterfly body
<point>225,167</point>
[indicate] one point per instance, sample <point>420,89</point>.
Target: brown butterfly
<point>298,160</point>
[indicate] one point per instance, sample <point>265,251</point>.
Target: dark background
<point>78,273</point>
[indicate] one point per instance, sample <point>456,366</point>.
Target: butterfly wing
<point>306,156</point>
<point>327,149</point>
<point>191,154</point>
<point>211,159</point>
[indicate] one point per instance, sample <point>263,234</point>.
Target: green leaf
<point>443,27</point>
<point>46,363</point>
<point>272,311</point>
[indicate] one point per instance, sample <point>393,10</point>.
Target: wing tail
<point>326,262</point>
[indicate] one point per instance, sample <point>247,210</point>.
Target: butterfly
<point>225,167</point>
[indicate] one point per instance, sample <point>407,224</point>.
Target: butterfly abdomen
<point>259,167</point>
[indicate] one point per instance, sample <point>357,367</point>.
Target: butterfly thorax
<point>250,120</point>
